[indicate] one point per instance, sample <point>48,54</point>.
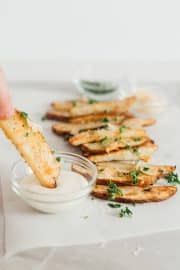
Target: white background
<point>68,30</point>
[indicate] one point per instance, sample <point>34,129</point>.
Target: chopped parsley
<point>74,103</point>
<point>136,139</point>
<point>114,205</point>
<point>135,151</point>
<point>125,212</point>
<point>81,130</point>
<point>122,128</point>
<point>173,178</point>
<point>105,120</point>
<point>58,159</point>
<point>105,140</point>
<point>134,177</point>
<point>113,190</point>
<point>145,169</point>
<point>43,118</point>
<point>26,134</point>
<point>91,101</point>
<point>24,115</point>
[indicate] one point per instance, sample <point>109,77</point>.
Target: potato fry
<point>32,146</point>
<point>137,194</point>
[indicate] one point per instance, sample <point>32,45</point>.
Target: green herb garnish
<point>136,139</point>
<point>91,101</point>
<point>24,115</point>
<point>26,134</point>
<point>125,212</point>
<point>105,120</point>
<point>134,177</point>
<point>74,103</point>
<point>113,190</point>
<point>145,169</point>
<point>58,159</point>
<point>172,178</point>
<point>135,151</point>
<point>122,128</point>
<point>105,140</point>
<point>114,205</point>
<point>43,118</point>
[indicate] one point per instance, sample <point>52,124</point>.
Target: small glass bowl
<point>48,200</point>
<point>99,90</point>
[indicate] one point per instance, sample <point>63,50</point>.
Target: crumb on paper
<point>138,250</point>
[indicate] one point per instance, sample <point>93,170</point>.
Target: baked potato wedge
<point>111,132</point>
<point>33,147</point>
<point>108,145</point>
<point>62,128</point>
<point>143,175</point>
<point>136,194</point>
<point>143,152</point>
<point>103,107</point>
<point>103,117</point>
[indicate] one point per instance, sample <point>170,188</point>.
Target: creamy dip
<point>71,187</point>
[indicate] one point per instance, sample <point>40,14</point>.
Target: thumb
<point>6,108</point>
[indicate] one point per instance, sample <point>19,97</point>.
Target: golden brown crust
<point>32,146</point>
<point>137,194</point>
<point>56,115</point>
<point>62,128</point>
<point>143,181</point>
<point>110,117</point>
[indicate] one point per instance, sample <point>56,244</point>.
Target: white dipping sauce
<point>71,188</point>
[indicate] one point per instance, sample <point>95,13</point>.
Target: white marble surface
<point>159,251</point>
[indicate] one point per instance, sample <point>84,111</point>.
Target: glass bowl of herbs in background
<point>97,89</point>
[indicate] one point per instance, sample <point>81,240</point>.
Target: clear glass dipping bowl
<point>99,90</point>
<point>49,201</point>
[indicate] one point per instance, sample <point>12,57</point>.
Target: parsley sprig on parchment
<point>114,190</point>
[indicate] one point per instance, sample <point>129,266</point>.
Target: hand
<point>6,108</point>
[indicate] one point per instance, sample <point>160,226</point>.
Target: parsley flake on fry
<point>113,190</point>
<point>172,178</point>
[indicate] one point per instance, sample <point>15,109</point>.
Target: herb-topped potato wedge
<point>103,117</point>
<point>129,194</point>
<point>143,152</point>
<point>111,131</point>
<point>62,128</point>
<point>131,174</point>
<point>93,108</point>
<point>32,146</point>
<point>109,144</point>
